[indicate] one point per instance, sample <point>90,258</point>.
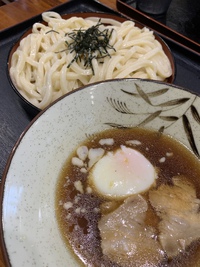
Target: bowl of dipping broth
<point>107,175</point>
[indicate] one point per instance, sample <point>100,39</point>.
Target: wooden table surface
<point>21,10</point>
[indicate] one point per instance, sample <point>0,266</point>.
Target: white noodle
<point>39,66</point>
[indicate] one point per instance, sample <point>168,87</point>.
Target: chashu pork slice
<point>124,237</point>
<point>178,208</point>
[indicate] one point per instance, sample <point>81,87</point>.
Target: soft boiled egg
<point>122,173</point>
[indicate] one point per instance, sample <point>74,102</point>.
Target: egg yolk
<point>122,173</point>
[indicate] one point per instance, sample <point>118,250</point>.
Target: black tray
<point>14,119</point>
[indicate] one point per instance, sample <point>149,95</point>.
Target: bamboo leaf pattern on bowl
<point>189,133</point>
<point>169,118</point>
<point>150,94</point>
<point>195,114</point>
<point>168,110</point>
<point>150,118</point>
<point>172,102</point>
<point>116,125</point>
<point>119,106</point>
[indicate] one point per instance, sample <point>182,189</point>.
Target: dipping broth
<point>81,206</point>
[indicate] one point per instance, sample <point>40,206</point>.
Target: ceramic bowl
<point>30,235</point>
<point>32,109</point>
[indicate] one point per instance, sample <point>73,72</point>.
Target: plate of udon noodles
<point>63,53</point>
<point>107,175</point>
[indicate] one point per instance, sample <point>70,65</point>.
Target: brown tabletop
<point>22,10</point>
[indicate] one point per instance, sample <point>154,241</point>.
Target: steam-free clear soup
<point>79,222</point>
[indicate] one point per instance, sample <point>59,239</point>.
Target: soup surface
<point>170,218</point>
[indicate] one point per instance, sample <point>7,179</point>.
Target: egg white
<point>122,173</point>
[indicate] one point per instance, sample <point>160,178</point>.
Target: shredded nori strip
<point>89,44</point>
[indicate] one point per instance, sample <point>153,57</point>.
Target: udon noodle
<point>41,69</point>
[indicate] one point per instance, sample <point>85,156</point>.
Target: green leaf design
<point>189,133</point>
<point>195,114</point>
